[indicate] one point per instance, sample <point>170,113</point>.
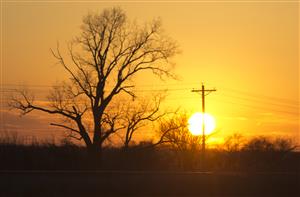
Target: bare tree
<point>139,115</point>
<point>186,147</point>
<point>174,131</point>
<point>102,64</point>
<point>234,142</point>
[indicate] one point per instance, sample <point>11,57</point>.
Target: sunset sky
<point>247,50</point>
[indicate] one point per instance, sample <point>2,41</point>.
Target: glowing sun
<point>195,123</point>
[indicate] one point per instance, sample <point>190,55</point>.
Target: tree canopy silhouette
<point>102,64</point>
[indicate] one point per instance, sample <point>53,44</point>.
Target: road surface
<point>147,183</point>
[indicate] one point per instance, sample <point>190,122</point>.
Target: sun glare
<point>195,123</point>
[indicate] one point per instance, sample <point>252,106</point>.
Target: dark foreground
<point>129,183</point>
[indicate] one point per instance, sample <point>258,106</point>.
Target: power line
<point>255,95</point>
<point>242,95</point>
<point>256,103</point>
<point>269,102</point>
<point>253,107</point>
<point>139,89</point>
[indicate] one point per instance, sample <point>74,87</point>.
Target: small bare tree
<point>103,62</point>
<point>174,131</point>
<point>139,115</point>
<point>186,147</point>
<point>234,142</point>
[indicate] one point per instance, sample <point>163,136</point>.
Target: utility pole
<point>204,92</point>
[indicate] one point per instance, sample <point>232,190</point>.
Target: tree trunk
<point>97,143</point>
<point>126,145</point>
<point>86,138</point>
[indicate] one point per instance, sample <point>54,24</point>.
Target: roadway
<point>147,183</point>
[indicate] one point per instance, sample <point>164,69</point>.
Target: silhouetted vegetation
<point>257,154</point>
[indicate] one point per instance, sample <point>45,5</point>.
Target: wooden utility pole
<point>204,92</point>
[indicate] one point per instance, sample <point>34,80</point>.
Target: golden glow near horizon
<point>195,124</point>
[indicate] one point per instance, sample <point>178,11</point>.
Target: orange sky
<point>247,50</point>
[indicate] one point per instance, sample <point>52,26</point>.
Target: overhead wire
<point>242,95</point>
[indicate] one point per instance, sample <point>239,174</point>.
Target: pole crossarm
<point>211,90</point>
